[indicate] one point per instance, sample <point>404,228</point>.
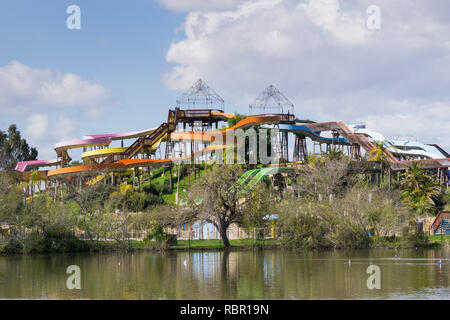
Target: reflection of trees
<point>221,275</point>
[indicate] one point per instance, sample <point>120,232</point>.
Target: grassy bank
<point>200,245</point>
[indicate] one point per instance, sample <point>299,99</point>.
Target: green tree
<point>215,198</point>
<point>237,117</point>
<point>419,188</point>
<point>378,154</point>
<point>88,206</point>
<point>75,163</point>
<point>14,149</point>
<point>11,207</point>
<point>334,155</point>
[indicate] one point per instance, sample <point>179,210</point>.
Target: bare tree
<point>217,198</point>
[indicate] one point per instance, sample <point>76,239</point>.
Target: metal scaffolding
<point>271,100</point>
<point>200,96</point>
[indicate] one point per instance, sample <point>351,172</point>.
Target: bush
<point>159,187</point>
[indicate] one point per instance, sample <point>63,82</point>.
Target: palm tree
<point>378,154</point>
<point>35,179</point>
<point>419,188</point>
<point>334,155</point>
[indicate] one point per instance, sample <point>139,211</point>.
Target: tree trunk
<point>382,174</point>
<point>390,177</point>
<point>223,235</point>
<point>170,180</point>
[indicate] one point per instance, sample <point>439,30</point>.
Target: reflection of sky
<point>271,267</point>
<point>205,230</point>
<point>205,264</point>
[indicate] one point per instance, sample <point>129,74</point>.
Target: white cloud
<point>37,127</point>
<point>322,56</point>
<point>191,5</point>
<point>42,132</point>
<point>63,129</point>
<point>23,88</point>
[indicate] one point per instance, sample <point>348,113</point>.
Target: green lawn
<point>217,244</point>
<point>440,240</point>
<point>208,244</point>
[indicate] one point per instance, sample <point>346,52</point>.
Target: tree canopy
<point>14,149</point>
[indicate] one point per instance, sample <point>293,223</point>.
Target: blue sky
<point>131,60</point>
<point>119,46</point>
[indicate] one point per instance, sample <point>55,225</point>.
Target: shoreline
<point>432,242</point>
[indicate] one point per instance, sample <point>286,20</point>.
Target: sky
<point>130,60</point>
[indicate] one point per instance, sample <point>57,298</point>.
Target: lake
<point>254,274</point>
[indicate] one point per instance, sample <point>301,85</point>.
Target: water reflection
<point>259,274</point>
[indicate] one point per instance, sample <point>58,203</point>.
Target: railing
<point>445,153</point>
<point>365,143</point>
<point>442,215</point>
<point>131,150</point>
<point>282,116</point>
<point>197,113</point>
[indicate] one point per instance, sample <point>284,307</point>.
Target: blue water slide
<point>300,129</point>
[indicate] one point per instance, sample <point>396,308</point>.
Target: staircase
<point>362,141</point>
<point>444,228</point>
<point>441,224</point>
<point>148,141</point>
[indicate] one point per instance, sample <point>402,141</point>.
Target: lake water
<point>258,274</point>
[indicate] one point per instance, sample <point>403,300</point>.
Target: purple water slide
<point>124,135</point>
<point>22,166</point>
<point>72,144</point>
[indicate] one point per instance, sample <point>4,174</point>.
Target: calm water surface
<point>259,274</point>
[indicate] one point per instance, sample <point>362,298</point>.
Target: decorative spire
<point>200,96</point>
<point>271,100</point>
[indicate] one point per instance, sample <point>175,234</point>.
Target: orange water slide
<point>126,163</point>
<point>208,136</point>
<point>85,168</point>
<point>152,162</point>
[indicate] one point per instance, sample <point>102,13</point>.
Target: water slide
<point>208,136</point>
<point>153,139</point>
<point>403,147</point>
<point>247,175</point>
<point>307,132</point>
<point>261,174</point>
<point>150,139</point>
<point>99,140</point>
<point>24,165</point>
<point>128,163</point>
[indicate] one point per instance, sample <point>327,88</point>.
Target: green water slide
<point>262,173</point>
<point>253,177</point>
<point>247,175</point>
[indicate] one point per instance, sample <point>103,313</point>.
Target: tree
<point>14,149</point>
<point>88,205</point>
<point>378,154</point>
<point>215,198</point>
<point>334,155</point>
<point>237,117</point>
<point>11,207</point>
<point>419,188</point>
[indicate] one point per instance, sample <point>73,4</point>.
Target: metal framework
<point>300,148</point>
<point>271,100</point>
<point>200,96</point>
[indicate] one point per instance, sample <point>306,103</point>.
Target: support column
<point>300,148</point>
